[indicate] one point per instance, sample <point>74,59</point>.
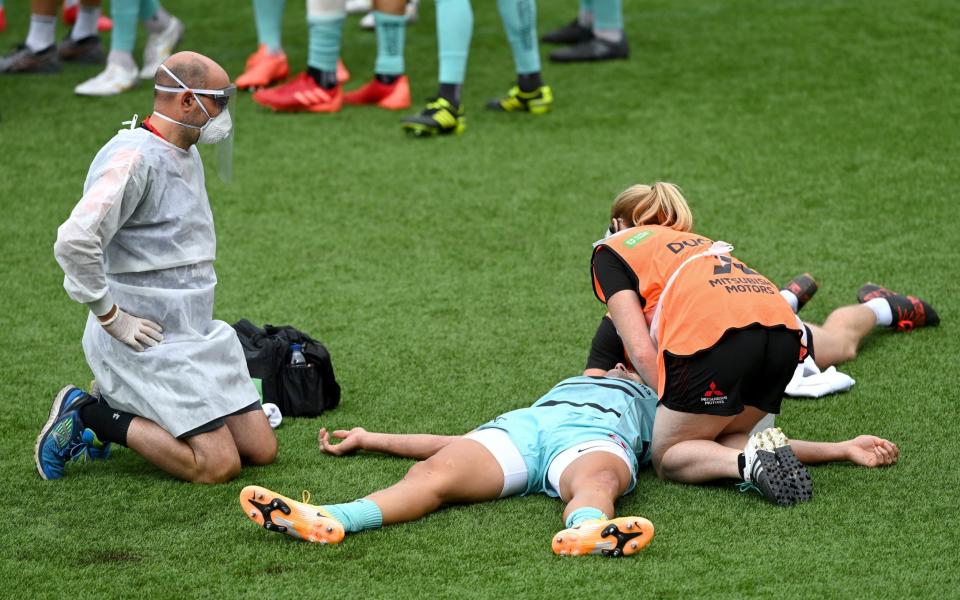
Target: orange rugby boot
<point>263,69</point>
<point>391,96</point>
<point>299,520</point>
<point>302,94</point>
<point>618,537</point>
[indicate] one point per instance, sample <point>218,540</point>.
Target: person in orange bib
<point>714,337</point>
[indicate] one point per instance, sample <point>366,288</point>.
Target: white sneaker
<point>115,79</point>
<point>160,46</point>
<point>410,12</point>
<point>358,6</point>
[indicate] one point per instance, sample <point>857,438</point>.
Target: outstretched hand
<point>350,441</point>
<point>871,451</point>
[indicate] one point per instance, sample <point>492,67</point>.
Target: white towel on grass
<point>810,382</point>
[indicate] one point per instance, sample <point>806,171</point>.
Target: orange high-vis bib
<point>709,296</point>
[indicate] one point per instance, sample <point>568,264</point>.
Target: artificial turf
<point>449,279</point>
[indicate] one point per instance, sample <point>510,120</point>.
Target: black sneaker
<point>572,33</point>
<point>440,117</point>
<point>25,60</point>
<point>85,50</point>
<point>591,50</point>
<point>803,287</point>
<point>909,312</point>
<point>783,484</point>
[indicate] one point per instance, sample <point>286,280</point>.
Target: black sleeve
<point>613,275</point>
<point>606,350</point>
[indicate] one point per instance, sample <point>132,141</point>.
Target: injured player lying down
<point>582,442</point>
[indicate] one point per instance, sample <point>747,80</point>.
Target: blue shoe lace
<point>746,486</point>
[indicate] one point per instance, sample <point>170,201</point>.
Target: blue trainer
<point>60,441</point>
<point>97,449</point>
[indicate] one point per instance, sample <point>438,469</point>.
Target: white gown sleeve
<point>114,188</point>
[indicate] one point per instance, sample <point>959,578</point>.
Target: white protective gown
<point>143,232</point>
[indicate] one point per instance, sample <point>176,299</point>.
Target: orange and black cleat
<point>391,96</point>
<point>909,312</point>
<point>299,520</point>
<point>618,537</point>
<point>802,286</point>
<point>302,94</point>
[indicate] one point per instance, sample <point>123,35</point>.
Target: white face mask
<point>217,128</point>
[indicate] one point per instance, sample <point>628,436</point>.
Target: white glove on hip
<point>133,331</point>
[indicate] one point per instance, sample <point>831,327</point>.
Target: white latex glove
<point>133,331</point>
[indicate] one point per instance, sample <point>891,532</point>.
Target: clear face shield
<point>219,129</point>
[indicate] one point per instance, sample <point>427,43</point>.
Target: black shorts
<point>218,422</point>
<point>749,367</point>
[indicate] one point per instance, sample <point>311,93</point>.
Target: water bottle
<point>297,359</point>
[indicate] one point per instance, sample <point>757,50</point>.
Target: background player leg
<point>445,114</point>
<point>269,63</point>
<point>389,88</point>
<point>39,51</point>
<point>529,95</point>
<point>121,72</point>
<point>608,40</point>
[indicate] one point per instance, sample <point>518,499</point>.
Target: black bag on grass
<point>299,390</point>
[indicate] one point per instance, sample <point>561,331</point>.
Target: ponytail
<point>659,204</point>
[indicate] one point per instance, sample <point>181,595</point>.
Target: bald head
<point>188,112</point>
<point>194,70</point>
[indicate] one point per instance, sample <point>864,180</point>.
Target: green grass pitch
<point>449,279</point>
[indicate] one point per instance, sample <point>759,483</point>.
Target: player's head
<point>197,72</point>
<point>622,372</point>
<point>657,204</point>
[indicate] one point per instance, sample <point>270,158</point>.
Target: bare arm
<point>419,446</point>
<point>627,315</point>
<point>864,450</point>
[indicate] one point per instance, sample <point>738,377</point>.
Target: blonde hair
<point>659,204</point>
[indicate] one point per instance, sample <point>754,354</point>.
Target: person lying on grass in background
<point>582,442</point>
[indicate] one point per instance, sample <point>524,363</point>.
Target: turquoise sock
<point>124,13</point>
<point>357,515</point>
<point>391,34</point>
<point>148,8</point>
<point>520,21</point>
<point>454,30</point>
<point>608,14</point>
<point>582,514</point>
<point>325,32</point>
<point>268,16</point>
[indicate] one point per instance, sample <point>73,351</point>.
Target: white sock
<point>43,32</point>
<point>86,24</point>
<point>124,59</point>
<point>791,299</point>
<point>585,18</point>
<point>881,308</point>
<point>614,36</point>
<point>159,21</point>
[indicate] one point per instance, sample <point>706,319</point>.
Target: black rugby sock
<point>529,82</point>
<point>110,425</point>
<point>325,79</point>
<point>741,465</point>
<point>451,93</point>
